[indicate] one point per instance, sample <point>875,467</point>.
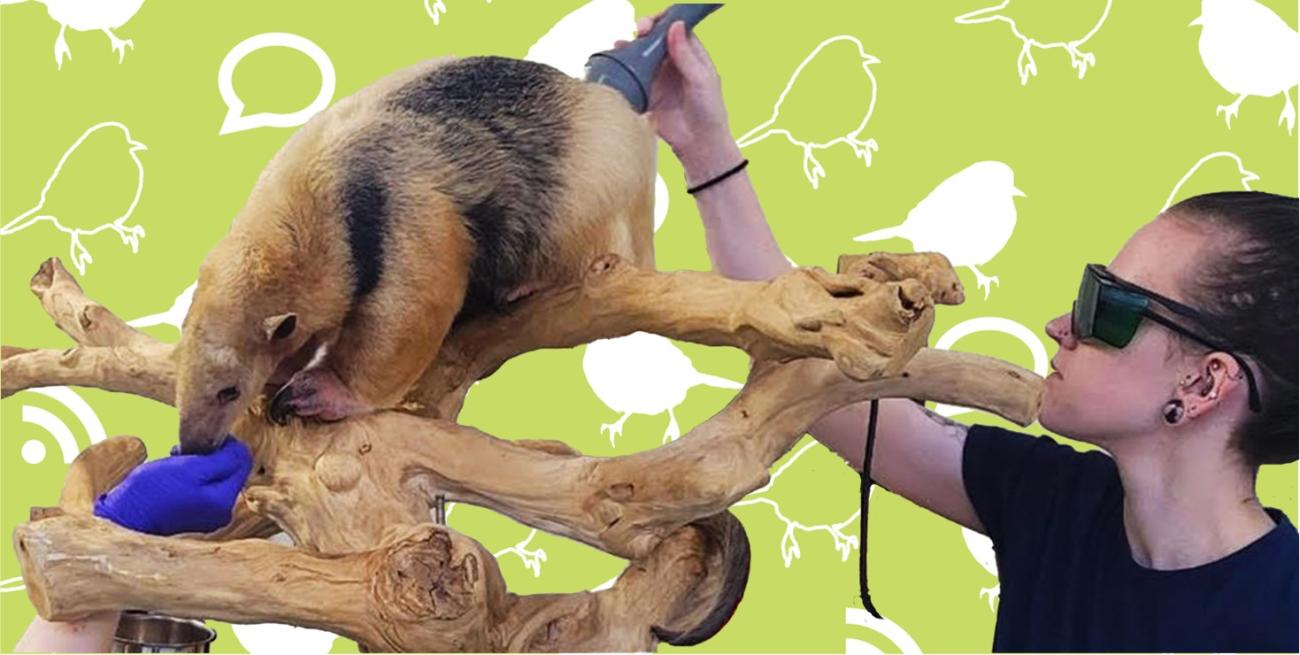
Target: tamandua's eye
<point>227,395</point>
<point>285,328</point>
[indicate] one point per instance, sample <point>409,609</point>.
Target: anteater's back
<point>543,170</point>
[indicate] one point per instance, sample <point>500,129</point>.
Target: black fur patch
<point>502,125</point>
<point>365,210</point>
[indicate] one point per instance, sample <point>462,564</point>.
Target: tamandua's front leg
<point>384,346</point>
<point>316,393</point>
<point>394,331</point>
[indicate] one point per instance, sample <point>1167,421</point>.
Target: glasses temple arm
<point>1250,377</point>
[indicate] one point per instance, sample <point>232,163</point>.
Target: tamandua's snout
<point>216,382</point>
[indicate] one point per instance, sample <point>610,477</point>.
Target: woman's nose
<point>1059,330</point>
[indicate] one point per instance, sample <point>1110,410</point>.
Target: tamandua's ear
<point>280,326</point>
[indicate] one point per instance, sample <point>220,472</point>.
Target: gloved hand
<point>180,493</point>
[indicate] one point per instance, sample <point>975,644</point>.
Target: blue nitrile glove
<point>180,493</point>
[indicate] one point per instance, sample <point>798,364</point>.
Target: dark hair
<point>1248,291</point>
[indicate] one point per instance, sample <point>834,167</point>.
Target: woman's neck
<point>1183,507</point>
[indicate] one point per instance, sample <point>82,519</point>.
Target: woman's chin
<point>1049,414</point>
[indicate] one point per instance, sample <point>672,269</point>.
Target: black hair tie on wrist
<point>704,185</point>
<point>866,495</point>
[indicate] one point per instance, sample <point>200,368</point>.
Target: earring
<point>1208,385</point>
<point>1173,411</point>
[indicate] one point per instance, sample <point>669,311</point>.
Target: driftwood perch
<point>356,495</point>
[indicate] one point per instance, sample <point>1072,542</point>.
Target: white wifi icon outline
<point>34,450</point>
<point>884,627</point>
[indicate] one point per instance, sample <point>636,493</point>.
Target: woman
<point>1179,361</point>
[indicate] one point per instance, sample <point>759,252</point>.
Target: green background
<point>1097,158</point>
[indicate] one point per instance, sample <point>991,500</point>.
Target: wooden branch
<point>143,370</point>
<point>97,470</point>
<point>423,588</point>
<point>86,321</point>
<point>355,495</point>
<point>395,463</point>
<point>870,318</point>
<point>111,355</point>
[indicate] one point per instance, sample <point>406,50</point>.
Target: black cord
<point>866,495</point>
<point>704,185</point>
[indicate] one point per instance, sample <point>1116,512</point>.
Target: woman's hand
<point>686,106</point>
<point>181,493</point>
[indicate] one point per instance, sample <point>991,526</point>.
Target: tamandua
<point>440,192</point>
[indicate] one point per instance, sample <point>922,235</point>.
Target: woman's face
<point>1099,394</point>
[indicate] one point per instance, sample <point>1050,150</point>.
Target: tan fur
<point>287,251</point>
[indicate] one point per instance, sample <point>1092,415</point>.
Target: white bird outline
<point>1244,71</point>
<point>174,315</point>
<point>843,543</point>
<point>813,169</point>
<point>1246,176</point>
<point>1025,64</point>
<point>79,254</point>
<point>85,16</point>
<point>532,558</point>
<point>617,361</point>
<point>436,8</point>
<point>608,584</point>
<point>981,548</point>
<point>964,242</point>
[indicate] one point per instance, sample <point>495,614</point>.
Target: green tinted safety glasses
<point>1110,310</point>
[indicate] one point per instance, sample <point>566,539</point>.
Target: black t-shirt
<point>1068,578</point>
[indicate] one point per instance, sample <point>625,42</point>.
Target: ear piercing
<point>1207,381</point>
<point>1173,411</point>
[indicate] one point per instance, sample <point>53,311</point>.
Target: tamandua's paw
<point>315,393</point>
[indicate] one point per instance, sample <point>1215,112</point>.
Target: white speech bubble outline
<point>234,121</point>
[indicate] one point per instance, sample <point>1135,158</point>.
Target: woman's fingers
<point>688,61</point>
<point>645,23</point>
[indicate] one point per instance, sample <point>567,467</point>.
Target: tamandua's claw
<point>279,410</point>
<point>315,394</point>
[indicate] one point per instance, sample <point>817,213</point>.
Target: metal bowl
<point>146,632</point>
